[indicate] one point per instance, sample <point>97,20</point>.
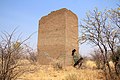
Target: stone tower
<point>57,36</point>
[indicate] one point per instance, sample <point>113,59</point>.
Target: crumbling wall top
<point>57,12</point>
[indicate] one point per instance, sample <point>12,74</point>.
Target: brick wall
<point>57,36</point>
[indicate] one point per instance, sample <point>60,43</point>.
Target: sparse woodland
<point>18,61</point>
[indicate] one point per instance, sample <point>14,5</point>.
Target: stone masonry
<point>57,36</point>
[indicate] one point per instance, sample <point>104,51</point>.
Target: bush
<point>57,66</point>
<point>98,58</point>
<point>11,52</point>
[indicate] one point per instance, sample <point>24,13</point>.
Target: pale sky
<point>25,14</point>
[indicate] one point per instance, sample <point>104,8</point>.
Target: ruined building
<point>57,36</point>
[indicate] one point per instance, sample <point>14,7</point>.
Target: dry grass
<point>47,72</point>
<point>90,64</point>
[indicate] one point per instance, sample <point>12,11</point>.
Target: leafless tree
<point>98,29</point>
<point>114,15</point>
<point>113,34</point>
<point>10,54</point>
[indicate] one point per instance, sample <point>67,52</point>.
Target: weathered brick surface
<point>57,35</point>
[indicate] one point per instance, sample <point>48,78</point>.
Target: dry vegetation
<point>18,61</point>
<point>48,72</point>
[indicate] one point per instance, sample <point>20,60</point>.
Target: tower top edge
<point>57,12</point>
